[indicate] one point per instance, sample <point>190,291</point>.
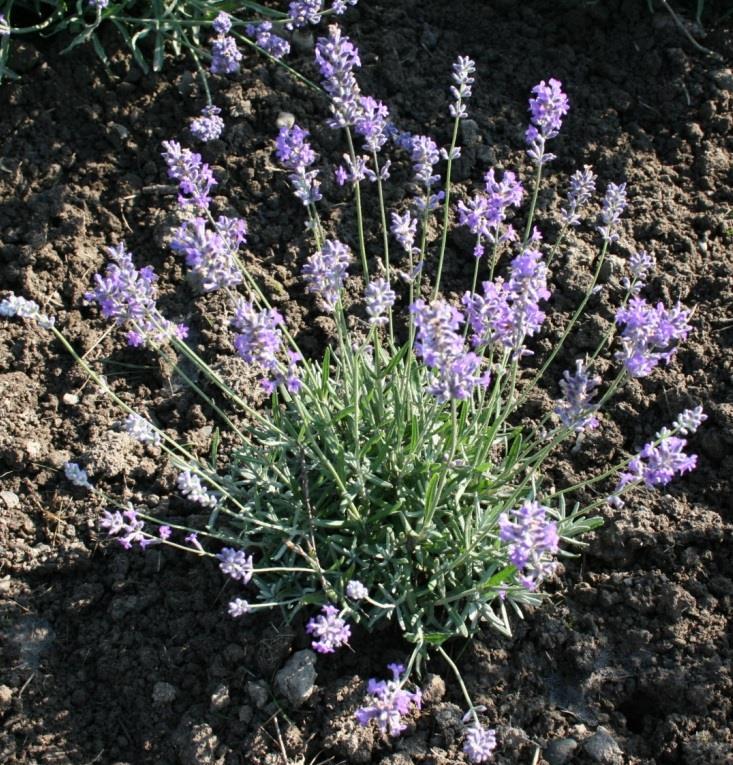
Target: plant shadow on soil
<point>115,657</point>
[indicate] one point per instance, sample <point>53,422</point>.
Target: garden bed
<point>110,656</point>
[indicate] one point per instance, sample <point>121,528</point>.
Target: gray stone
<point>296,680</point>
<point>6,696</point>
<point>560,751</point>
<point>10,499</point>
<point>220,698</point>
<point>601,747</point>
<point>163,693</point>
<point>258,693</point>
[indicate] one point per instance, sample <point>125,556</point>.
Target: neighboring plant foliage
<point>395,477</point>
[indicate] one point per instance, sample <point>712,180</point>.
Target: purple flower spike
<point>225,56</point>
<point>141,430</point>
<point>193,175</point>
<point>330,629</point>
<point>404,229</point>
<point>650,334</point>
<point>126,527</point>
<point>295,154</point>
<point>424,155</point>
<point>485,214</point>
<point>236,564</point>
<point>641,264</point>
<point>531,538</point>
<point>339,7</point>
<point>690,420</point>
<point>388,702</point>
<point>479,744</point>
<point>238,607</point>
<point>657,465</point>
<point>337,57</point>
<point>575,408</point>
<point>222,24</point>
<point>209,125</point>
<point>14,305</point>
<point>128,296</point>
<point>463,68</point>
<point>371,124</point>
<point>76,475</point>
<point>614,203</point>
<point>276,46</point>
<point>304,12</point>
<point>547,109</point>
<point>379,298</point>
<point>355,590</point>
<point>456,372</point>
<point>325,272</point>
<point>582,188</point>
<point>190,486</point>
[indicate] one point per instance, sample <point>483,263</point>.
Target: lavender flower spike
<point>209,125</point>
<point>531,539</point>
<point>582,188</point>
<point>355,590</point>
<point>650,334</point>
<point>575,408</point>
<point>547,109</point>
<point>641,264</point>
<point>276,46</point>
<point>330,630</point>
<point>479,744</point>
<point>657,465</point>
<point>463,68</point>
<point>194,176</point>
<point>337,57</point>
<point>141,430</point>
<point>690,420</point>
<point>325,272</point>
<point>614,203</point>
<point>190,486</point>
<point>304,12</point>
<point>238,607</point>
<point>4,26</point>
<point>404,229</point>
<point>388,702</point>
<point>295,154</point>
<point>76,475</point>
<point>26,309</point>
<point>236,564</point>
<point>379,298</point>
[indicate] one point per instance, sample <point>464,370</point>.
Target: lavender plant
<point>206,30</point>
<point>395,478</point>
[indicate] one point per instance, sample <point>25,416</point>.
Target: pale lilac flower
<point>238,607</point>
<point>209,125</point>
<point>485,214</point>
<point>128,296</point>
<point>295,154</point>
<point>575,408</point>
<point>337,57</point>
<point>582,188</point>
<point>614,203</point>
<point>532,538</point>
<point>15,305</point>
<point>222,24</point>
<point>508,313</point>
<point>236,564</point>
<point>463,68</point>
<point>641,264</point>
<point>211,255</point>
<point>404,229</point>
<point>165,532</point>
<point>77,475</point>
<point>276,46</point>
<point>388,702</point>
<point>657,464</point>
<point>193,540</point>
<point>424,156</point>
<point>291,379</point>
<point>456,372</point>
<point>325,272</point>
<point>650,334</point>
<point>547,109</point>
<point>4,26</point>
<point>98,4</point>
<point>194,176</point>
<point>225,56</point>
<point>479,744</point>
<point>690,420</point>
<point>354,170</point>
<point>379,298</point>
<point>304,12</point>
<point>190,486</point>
<point>339,6</point>
<point>355,590</point>
<point>371,123</point>
<point>330,629</point>
<point>259,339</point>
<point>141,430</point>
<point>126,527</point>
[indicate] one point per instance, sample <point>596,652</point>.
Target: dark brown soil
<point>112,657</point>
